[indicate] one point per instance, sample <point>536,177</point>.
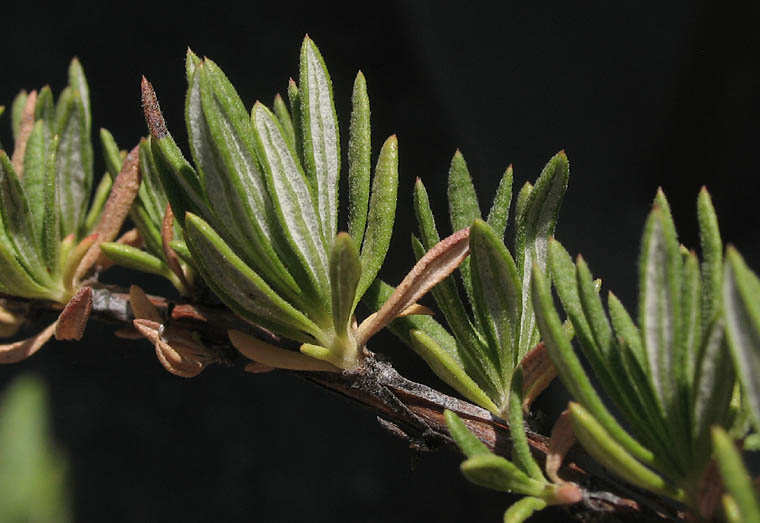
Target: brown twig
<point>408,409</point>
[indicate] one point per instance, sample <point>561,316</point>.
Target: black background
<point>664,93</point>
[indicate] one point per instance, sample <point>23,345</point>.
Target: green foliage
<point>45,189</point>
<point>741,501</point>
<point>33,471</point>
<point>493,334</point>
<point>520,475</point>
<point>149,214</point>
<point>259,206</point>
<point>669,377</point>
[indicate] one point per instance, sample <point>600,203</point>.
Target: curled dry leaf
<point>538,372</point>
<point>20,350</point>
<point>433,267</point>
<point>25,130</point>
<point>142,308</point>
<point>562,438</point>
<point>10,323</point>
<point>116,208</point>
<point>176,349</point>
<point>167,235</point>
<point>269,355</point>
<point>73,318</point>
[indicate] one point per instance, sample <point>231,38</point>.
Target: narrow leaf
<point>463,208</point>
<point>17,219</point>
<point>180,181</point>
<point>294,99</point>
<point>26,124</point>
<point>736,478</point>
<point>533,232</point>
<point>283,116</point>
<point>494,472</point>
<point>268,354</point>
<point>467,442</point>
<point>345,271</point>
<point>499,213</point>
<point>712,256</point>
<point>521,455</point>
<point>382,213</point>
<point>224,148</point>
<point>241,288</point>
<point>292,199</point>
<point>436,265</point>
<point>116,208</point>
<point>524,508</point>
<point>17,111</point>
<point>359,160</point>
<point>607,451</point>
<point>133,258</point>
<point>321,144</point>
<point>499,312</point>
<point>571,370</point>
<point>659,311</point>
<point>741,289</point>
<point>36,162</point>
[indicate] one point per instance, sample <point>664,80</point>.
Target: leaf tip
<point>153,116</point>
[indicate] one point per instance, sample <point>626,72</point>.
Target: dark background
<point>664,93</point>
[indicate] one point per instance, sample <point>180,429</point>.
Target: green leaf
<point>178,178</point>
<point>283,116</point>
<point>359,160</point>
<point>521,454</point>
<point>74,159</point>
<point>17,109</point>
<point>712,256</point>
<point>191,63</point>
<point>713,386</point>
<point>495,472</point>
<point>33,477</point>
<point>523,509</point>
<point>241,288</point>
<point>571,371</point>
<point>18,222</point>
<point>294,98</point>
<point>51,227</point>
<point>292,199</point>
<point>449,369</point>
<point>521,205</point>
<point>499,213</point>
<point>15,280</point>
<point>499,312</point>
<point>467,442</point>
<point>691,323</point>
<point>102,191</point>
<point>659,306</point>
<point>36,160</point>
<point>463,208</point>
<point>224,148</point>
<point>345,271</point>
<point>533,232</point>
<point>741,289</point>
<point>321,143</point>
<point>111,153</point>
<point>470,348</point>
<point>44,109</point>
<point>736,478</point>
<point>382,213</point>
<point>607,451</point>
<point>133,258</point>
